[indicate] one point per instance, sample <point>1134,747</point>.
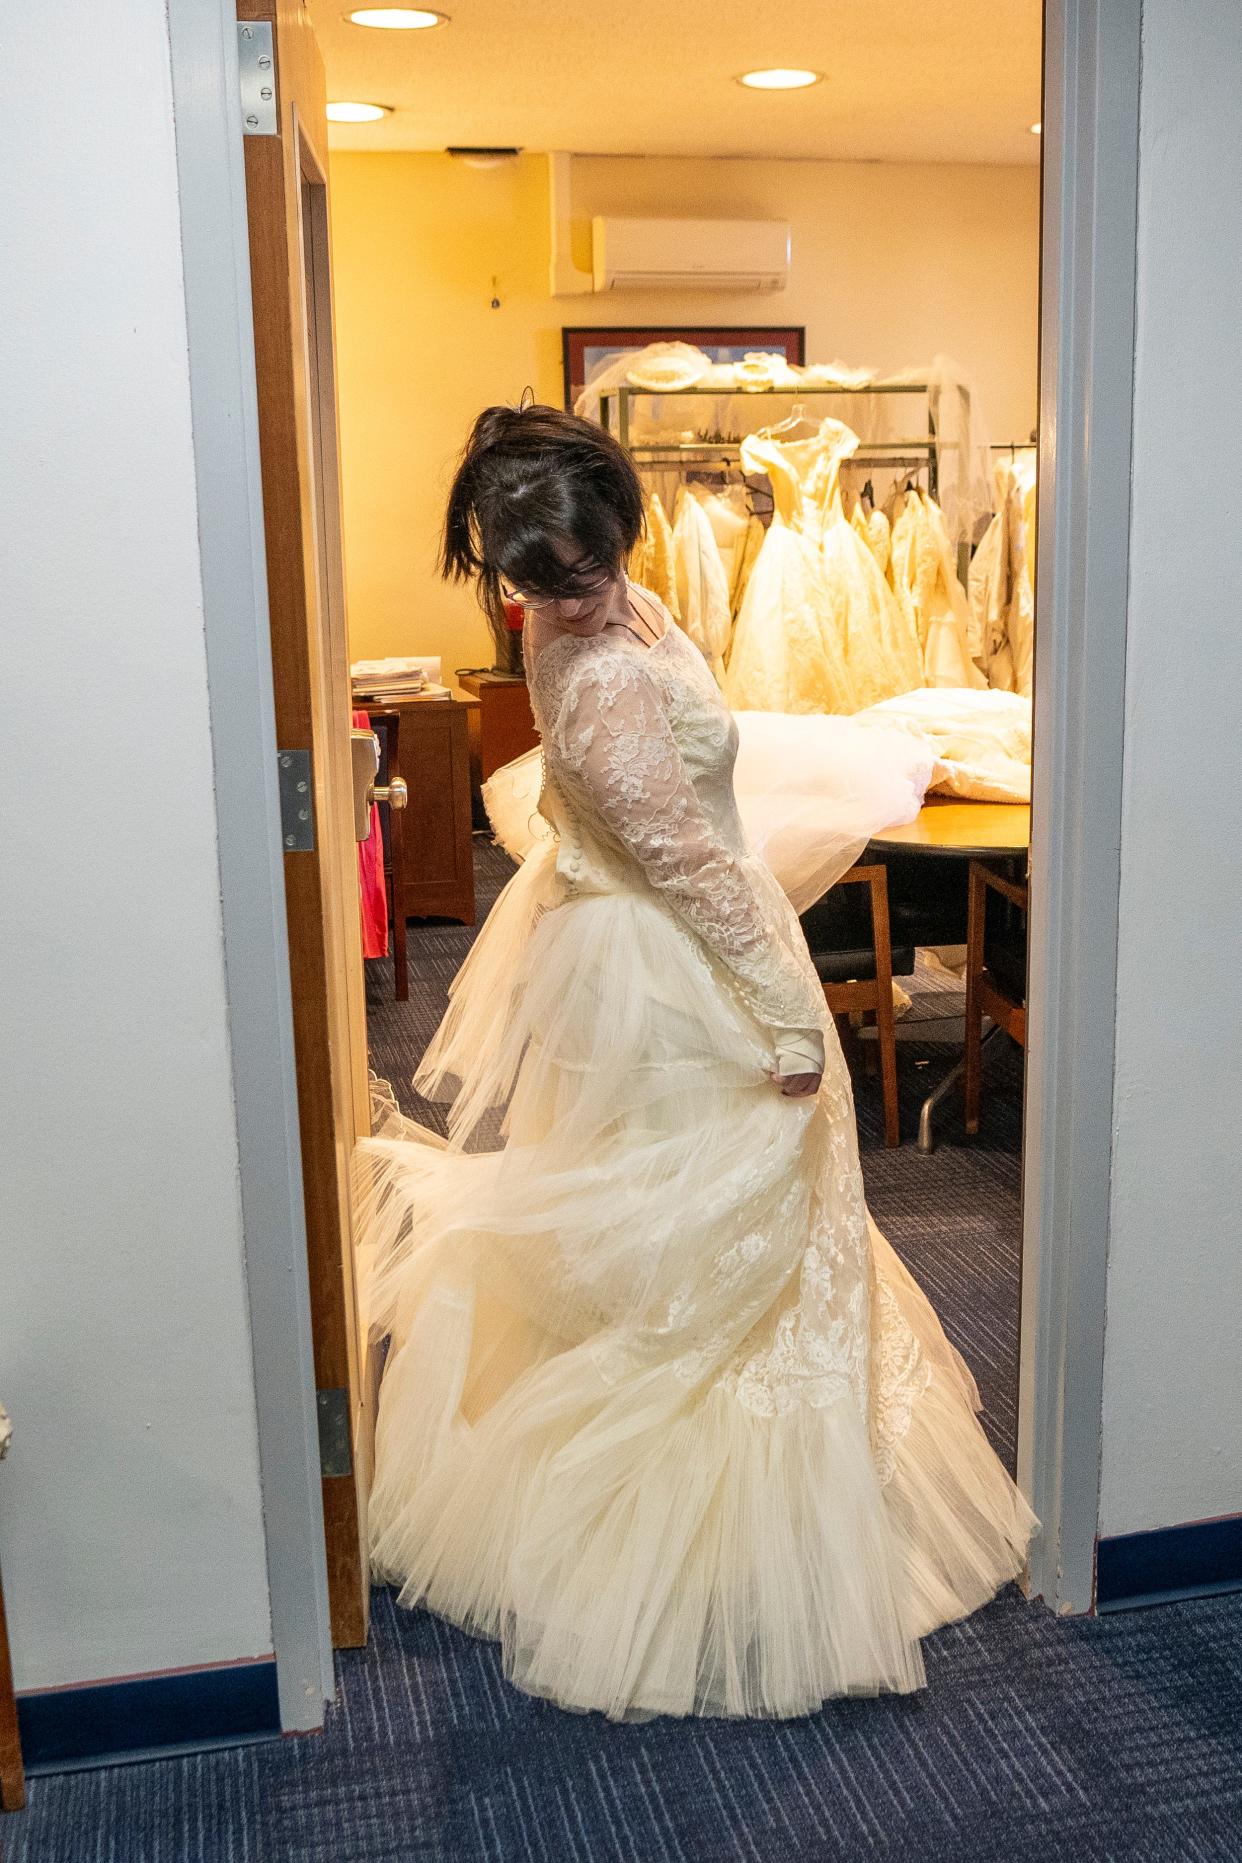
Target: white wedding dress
<point>662,1410</point>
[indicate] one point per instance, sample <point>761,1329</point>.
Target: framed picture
<point>582,350</point>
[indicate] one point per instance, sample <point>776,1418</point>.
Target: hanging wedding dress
<point>738,533</point>
<point>662,1410</point>
<point>874,529</point>
<point>923,574</point>
<point>789,648</point>
<point>881,647</point>
<point>702,585</point>
<point>653,560</point>
<point>1020,507</point>
<point>833,580</point>
<point>1002,596</point>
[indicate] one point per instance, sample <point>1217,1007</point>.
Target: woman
<point>662,1410</point>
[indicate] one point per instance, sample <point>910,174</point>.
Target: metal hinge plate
<point>256,65</point>
<point>335,1453</point>
<point>297,803</point>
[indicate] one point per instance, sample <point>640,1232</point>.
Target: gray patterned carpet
<point>1114,1740</point>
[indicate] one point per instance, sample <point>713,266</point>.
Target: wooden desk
<point>437,880</point>
<point>947,828</point>
<point>503,727</point>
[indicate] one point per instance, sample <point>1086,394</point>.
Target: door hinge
<point>297,801</point>
<point>256,67</point>
<point>335,1451</point>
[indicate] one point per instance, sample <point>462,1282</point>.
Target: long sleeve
<point>616,749</point>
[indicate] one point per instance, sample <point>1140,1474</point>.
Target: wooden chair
<point>392,827</point>
<point>856,978</point>
<point>995,972</point>
<point>12,1772</point>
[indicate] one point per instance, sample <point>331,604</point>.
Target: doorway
<point>1067,28</point>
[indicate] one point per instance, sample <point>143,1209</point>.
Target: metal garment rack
<point>906,454</point>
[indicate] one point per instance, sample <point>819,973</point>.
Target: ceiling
<point>905,80</point>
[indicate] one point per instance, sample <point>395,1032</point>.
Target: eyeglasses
<point>535,602</point>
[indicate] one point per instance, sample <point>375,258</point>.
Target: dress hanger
<point>799,418</point>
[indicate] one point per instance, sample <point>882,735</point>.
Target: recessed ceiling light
<point>780,79</point>
<point>356,112</point>
<point>1037,129</point>
<point>397,18</point>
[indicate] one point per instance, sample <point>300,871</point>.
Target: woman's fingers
<point>797,1086</point>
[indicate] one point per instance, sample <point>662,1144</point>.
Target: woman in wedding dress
<point>662,1411</point>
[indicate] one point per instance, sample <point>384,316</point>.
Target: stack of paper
<point>387,679</point>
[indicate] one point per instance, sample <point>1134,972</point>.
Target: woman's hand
<point>797,1086</point>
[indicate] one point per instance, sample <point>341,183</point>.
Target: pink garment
<point>373,896</point>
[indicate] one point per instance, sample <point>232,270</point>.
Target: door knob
<point>396,794</point>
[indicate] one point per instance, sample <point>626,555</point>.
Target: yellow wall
<point>891,265</point>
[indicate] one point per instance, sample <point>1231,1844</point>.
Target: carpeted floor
<point>1111,1740</point>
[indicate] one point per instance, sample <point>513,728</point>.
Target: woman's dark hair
<point>532,477</point>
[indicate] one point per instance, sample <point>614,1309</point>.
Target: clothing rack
<point>902,455</point>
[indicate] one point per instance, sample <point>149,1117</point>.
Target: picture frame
<point>582,346</point>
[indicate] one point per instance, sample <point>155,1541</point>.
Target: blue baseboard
<point>1197,1560</point>
<point>109,1721</point>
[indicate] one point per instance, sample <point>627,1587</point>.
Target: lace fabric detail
<point>900,1373</point>
<point>638,754</point>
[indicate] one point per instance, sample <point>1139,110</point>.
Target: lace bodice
<point>638,787</point>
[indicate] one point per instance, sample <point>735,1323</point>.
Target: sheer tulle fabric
<point>662,1412</point>
<point>811,791</point>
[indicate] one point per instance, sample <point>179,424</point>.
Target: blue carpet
<point>1110,1740</point>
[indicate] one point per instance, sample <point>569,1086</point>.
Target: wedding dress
<point>653,561</point>
<point>881,647</point>
<point>702,583</point>
<point>1002,596</point>
<point>662,1410</point>
<point>789,651</point>
<point>924,576</point>
<point>816,580</point>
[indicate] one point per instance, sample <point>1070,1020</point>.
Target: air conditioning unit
<point>690,255</point>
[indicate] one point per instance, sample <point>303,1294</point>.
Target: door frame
<point>1090,148</point>
<point>1087,313</point>
<point>225,417</point>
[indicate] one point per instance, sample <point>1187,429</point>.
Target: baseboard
<point>1197,1560</point>
<point>105,1722</point>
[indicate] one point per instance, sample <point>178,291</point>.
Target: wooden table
<point>945,828</point>
<point>437,880</point>
<point>979,829</point>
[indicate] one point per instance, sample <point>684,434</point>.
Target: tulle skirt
<point>662,1411</point>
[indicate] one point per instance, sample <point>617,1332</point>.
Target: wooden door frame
<point>224,406</point>
<point>1089,233</point>
<point>288,217</point>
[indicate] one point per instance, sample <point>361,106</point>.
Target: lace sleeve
<point>615,744</point>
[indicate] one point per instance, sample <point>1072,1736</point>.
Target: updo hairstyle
<point>532,477</point>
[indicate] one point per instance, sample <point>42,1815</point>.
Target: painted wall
<point>131,1532</point>
<point>1172,1393</point>
<point>891,265</point>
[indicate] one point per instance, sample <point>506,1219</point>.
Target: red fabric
<point>374,899</point>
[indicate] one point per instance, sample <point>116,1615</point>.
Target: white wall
<point>131,1533</point>
<point>1172,1445</point>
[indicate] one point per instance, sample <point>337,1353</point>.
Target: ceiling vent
<point>482,157</point>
